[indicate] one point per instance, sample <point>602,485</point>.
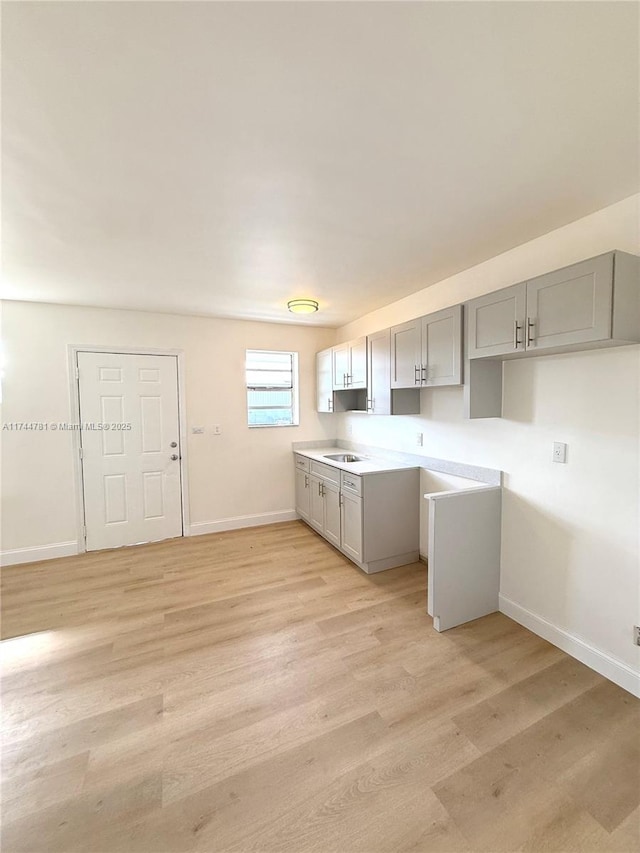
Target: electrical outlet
<point>636,634</point>
<point>217,429</point>
<point>559,451</point>
<point>419,439</point>
<point>197,430</point>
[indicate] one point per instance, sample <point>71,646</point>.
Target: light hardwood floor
<point>254,691</point>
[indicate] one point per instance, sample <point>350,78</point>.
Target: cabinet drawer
<point>326,472</point>
<point>351,483</point>
<point>302,463</point>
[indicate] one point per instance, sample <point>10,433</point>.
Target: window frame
<point>295,398</point>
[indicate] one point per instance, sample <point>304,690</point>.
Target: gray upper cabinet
<point>324,381</point>
<point>495,322</point>
<point>379,357</point>
<point>358,363</point>
<point>592,303</point>
<point>571,305</point>
<point>406,354</point>
<point>349,365</point>
<point>340,366</point>
<point>428,351</point>
<point>442,347</point>
<point>381,398</point>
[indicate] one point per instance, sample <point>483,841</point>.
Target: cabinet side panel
<point>464,561</point>
<point>626,297</point>
<point>391,514</point>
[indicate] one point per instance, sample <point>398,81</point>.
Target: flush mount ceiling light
<point>302,306</point>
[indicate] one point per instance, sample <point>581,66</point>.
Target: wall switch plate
<point>559,451</point>
<point>217,429</point>
<point>197,430</point>
<point>419,439</point>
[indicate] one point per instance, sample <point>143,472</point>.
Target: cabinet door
<point>379,370</point>
<point>442,347</point>
<point>496,322</point>
<point>331,513</point>
<point>351,525</point>
<point>341,366</point>
<point>303,494</point>
<point>571,306</point>
<point>406,355</point>
<point>316,504</point>
<point>324,381</point>
<point>358,361</point>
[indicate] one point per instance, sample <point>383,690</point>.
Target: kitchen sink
<point>344,457</point>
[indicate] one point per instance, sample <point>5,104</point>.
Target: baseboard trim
<point>39,552</point>
<point>199,528</point>
<point>612,668</point>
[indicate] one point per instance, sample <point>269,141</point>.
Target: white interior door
<point>130,448</point>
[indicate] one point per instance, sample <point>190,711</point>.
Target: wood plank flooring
<point>254,691</point>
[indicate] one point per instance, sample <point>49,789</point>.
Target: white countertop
<point>371,465</point>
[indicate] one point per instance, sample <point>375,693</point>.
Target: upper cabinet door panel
<point>496,323</point>
<point>406,354</point>
<point>341,365</point>
<point>358,359</point>
<point>572,305</point>
<point>442,347</point>
<point>324,381</point>
<point>379,355</point>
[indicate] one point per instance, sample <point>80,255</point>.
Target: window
<point>272,388</point>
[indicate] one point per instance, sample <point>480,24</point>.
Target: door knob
<point>173,444</point>
<point>174,457</point>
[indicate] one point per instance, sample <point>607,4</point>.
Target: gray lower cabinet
<point>324,510</point>
<point>427,352</point>
<point>373,519</point>
<point>593,303</point>
<point>351,525</point>
<point>303,494</point>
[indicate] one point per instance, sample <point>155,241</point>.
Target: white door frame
<point>74,398</point>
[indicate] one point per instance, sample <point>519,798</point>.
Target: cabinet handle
<point>344,380</point>
<point>322,489</point>
<point>330,404</point>
<point>516,329</point>
<point>416,375</point>
<point>423,372</point>
<point>306,481</point>
<point>340,499</point>
<point>531,324</point>
<point>349,379</point>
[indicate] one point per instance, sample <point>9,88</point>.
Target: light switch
<point>559,451</point>
<point>197,430</point>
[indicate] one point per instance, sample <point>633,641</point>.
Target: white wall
<point>241,472</point>
<point>570,543</point>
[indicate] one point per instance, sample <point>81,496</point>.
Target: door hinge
<point>80,452</point>
<point>77,373</point>
<point>84,530</point>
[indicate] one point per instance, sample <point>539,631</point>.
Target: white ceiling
<point>221,158</point>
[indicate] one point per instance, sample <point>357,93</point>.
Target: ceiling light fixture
<point>302,306</point>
